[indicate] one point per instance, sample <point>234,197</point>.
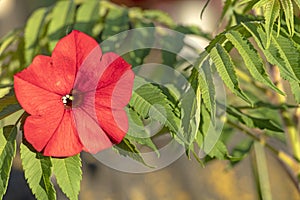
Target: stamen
<point>72,100</point>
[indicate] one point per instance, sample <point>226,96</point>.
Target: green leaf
<point>192,30</point>
<point>116,21</point>
<point>274,55</point>
<point>68,175</point>
<point>141,37</point>
<point>61,22</point>
<point>225,67</point>
<point>207,88</point>
<point>126,148</point>
<point>287,6</point>
<point>170,49</point>
<point>253,122</point>
<point>8,39</point>
<point>219,151</point>
<point>7,153</point>
<point>33,29</point>
<point>87,16</point>
<point>252,59</point>
<point>159,16</point>
<point>9,105</point>
<point>271,13</point>
<point>297,2</point>
<point>289,53</point>
<point>136,131</point>
<point>190,108</point>
<point>241,150</point>
<point>295,88</point>
<point>149,101</point>
<point>37,170</point>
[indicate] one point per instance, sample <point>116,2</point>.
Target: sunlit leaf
<point>33,29</point>
<point>61,21</point>
<point>37,170</point>
<point>148,100</point>
<point>9,105</point>
<point>68,175</point>
<point>86,16</point>
<point>137,132</point>
<point>207,88</point>
<point>219,151</point>
<point>190,108</point>
<point>251,59</point>
<point>271,13</point>
<point>225,67</point>
<point>7,153</point>
<point>128,149</point>
<point>254,122</point>
<point>288,9</point>
<point>272,52</point>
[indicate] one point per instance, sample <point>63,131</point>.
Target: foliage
<point>256,57</point>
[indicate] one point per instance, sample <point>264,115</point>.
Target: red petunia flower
<point>75,98</point>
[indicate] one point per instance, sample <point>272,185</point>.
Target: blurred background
<point>184,179</point>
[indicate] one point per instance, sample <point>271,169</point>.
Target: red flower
<point>75,98</point>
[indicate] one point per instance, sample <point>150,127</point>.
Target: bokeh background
<point>184,179</point>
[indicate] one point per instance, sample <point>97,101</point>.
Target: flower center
<point>72,100</point>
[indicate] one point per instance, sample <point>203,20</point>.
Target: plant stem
<point>289,161</point>
<point>290,127</point>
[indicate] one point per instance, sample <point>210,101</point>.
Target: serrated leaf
<point>295,88</point>
<point>87,16</point>
<point>219,151</point>
<point>37,171</point>
<point>254,122</point>
<point>207,88</point>
<point>272,52</point>
<point>7,153</point>
<point>136,131</point>
<point>252,59</point>
<point>288,9</point>
<point>126,148</point>
<point>271,13</point>
<point>68,175</point>
<point>148,100</point>
<point>225,67</point>
<point>61,22</point>
<point>190,109</point>
<point>289,53</point>
<point>33,29</point>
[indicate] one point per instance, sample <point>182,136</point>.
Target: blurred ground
<point>183,180</point>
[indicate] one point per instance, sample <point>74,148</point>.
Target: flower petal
<point>115,85</point>
<point>39,129</point>
<point>74,49</point>
<point>35,100</point>
<point>65,141</point>
<point>113,122</point>
<point>47,75</point>
<point>91,135</point>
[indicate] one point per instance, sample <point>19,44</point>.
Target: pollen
<point>72,100</point>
